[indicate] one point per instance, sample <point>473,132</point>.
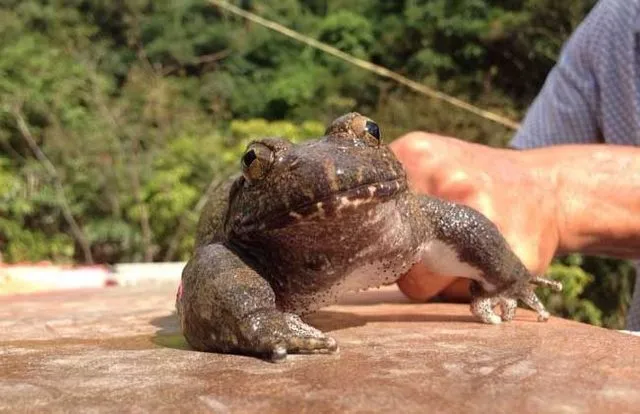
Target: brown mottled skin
<point>307,223</point>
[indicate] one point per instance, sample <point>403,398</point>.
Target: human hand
<point>502,184</point>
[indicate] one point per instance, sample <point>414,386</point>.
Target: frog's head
<point>341,175</point>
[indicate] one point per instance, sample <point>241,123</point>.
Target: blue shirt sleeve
<point>565,110</point>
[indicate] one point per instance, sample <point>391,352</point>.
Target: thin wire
<point>380,70</point>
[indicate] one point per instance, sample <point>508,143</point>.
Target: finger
<point>421,285</point>
<point>458,291</point>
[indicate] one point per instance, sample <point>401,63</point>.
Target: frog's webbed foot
<point>529,297</point>
<point>226,306</point>
<point>483,304</point>
<point>483,254</point>
<point>275,334</point>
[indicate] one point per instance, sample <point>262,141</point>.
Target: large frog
<point>307,223</point>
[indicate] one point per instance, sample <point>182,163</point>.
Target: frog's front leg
<point>463,242</point>
<point>224,305</point>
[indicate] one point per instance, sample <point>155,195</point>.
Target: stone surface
<point>119,350</point>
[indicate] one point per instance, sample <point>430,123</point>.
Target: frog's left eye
<point>248,158</point>
<point>372,129</point>
<point>256,161</point>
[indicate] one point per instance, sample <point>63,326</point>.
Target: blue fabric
<point>593,93</point>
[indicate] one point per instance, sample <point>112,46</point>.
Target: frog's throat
<point>331,206</point>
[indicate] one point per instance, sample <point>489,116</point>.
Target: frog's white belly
<point>388,257</point>
<point>375,274</point>
<point>440,258</point>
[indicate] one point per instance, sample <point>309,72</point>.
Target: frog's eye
<point>256,162</point>
<point>248,158</point>
<point>372,129</point>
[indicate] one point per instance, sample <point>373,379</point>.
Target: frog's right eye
<point>372,129</point>
<point>256,161</point>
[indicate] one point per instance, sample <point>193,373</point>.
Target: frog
<point>304,224</point>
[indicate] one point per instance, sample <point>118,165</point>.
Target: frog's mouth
<point>342,202</point>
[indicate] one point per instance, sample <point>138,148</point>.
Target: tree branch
<point>213,57</point>
<point>77,232</point>
<point>145,225</point>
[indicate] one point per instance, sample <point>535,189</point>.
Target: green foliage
<point>26,233</point>
<point>348,31</point>
<point>596,290</point>
<point>140,105</point>
<point>612,288</point>
<point>245,131</point>
<point>569,302</point>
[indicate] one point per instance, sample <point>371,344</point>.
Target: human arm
<point>597,191</point>
<point>545,201</point>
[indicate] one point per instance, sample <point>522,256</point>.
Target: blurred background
<point>116,117</point>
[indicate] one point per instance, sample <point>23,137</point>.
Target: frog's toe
<point>301,345</point>
<point>508,308</point>
<point>293,344</point>
<point>530,299</point>
<point>279,353</point>
<point>303,338</point>
<point>274,335</point>
<point>332,345</point>
<point>482,307</point>
<point>288,334</point>
<point>543,316</point>
<point>543,281</point>
<point>492,319</point>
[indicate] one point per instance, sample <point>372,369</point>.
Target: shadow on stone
<point>169,335</point>
<point>168,324</point>
<point>329,321</point>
